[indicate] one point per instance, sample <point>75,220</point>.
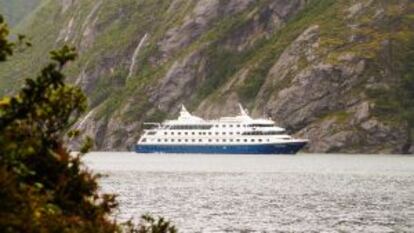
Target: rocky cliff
<point>327,70</point>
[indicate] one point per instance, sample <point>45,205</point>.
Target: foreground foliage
<point>43,188</point>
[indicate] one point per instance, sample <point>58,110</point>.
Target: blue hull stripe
<point>288,148</point>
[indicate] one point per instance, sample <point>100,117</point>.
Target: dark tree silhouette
<point>43,187</point>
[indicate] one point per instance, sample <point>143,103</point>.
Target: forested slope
<point>338,72</point>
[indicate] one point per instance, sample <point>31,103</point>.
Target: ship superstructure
<point>228,135</point>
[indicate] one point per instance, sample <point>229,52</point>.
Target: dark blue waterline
<point>287,148</point>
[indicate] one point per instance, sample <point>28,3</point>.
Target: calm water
<point>247,193</point>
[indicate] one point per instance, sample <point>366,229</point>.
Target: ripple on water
<point>303,195</point>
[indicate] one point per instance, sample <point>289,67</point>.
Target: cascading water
<point>135,55</point>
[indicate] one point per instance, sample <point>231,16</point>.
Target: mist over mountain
<point>334,71</point>
<point>16,10</point>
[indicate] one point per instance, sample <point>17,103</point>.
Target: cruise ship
<point>228,135</point>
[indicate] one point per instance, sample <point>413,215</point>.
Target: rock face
<point>311,65</point>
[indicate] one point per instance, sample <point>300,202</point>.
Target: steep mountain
<point>16,10</point>
<point>334,71</point>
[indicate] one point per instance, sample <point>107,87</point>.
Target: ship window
<point>186,140</point>
<point>165,133</point>
<point>245,140</point>
<point>193,140</point>
<point>231,140</point>
<point>159,140</point>
<point>252,140</point>
<point>267,139</point>
<point>224,126</point>
<point>186,133</point>
<point>179,133</point>
<point>165,140</point>
<point>144,140</point>
<point>231,133</point>
<point>151,133</point>
<point>238,126</point>
<point>179,140</point>
<point>193,133</point>
<point>238,132</point>
<point>217,133</point>
<point>224,140</point>
<point>209,133</point>
<point>199,133</point>
<point>224,133</point>
<point>172,133</point>
<point>200,140</point>
<point>217,140</point>
<point>260,140</point>
<point>217,126</point>
<point>172,140</point>
<point>209,140</point>
<point>261,125</point>
<point>238,140</point>
<point>191,127</point>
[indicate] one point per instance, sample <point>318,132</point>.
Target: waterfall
<point>82,123</point>
<point>91,15</point>
<point>135,55</point>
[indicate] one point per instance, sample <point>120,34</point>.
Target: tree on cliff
<point>42,187</point>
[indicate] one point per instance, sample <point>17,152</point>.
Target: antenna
<point>243,112</point>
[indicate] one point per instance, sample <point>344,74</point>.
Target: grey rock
<point>178,84</point>
<point>194,24</point>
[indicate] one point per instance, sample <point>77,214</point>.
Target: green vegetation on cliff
<point>43,187</point>
<point>213,54</point>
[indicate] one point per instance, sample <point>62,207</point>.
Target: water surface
<point>263,193</point>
